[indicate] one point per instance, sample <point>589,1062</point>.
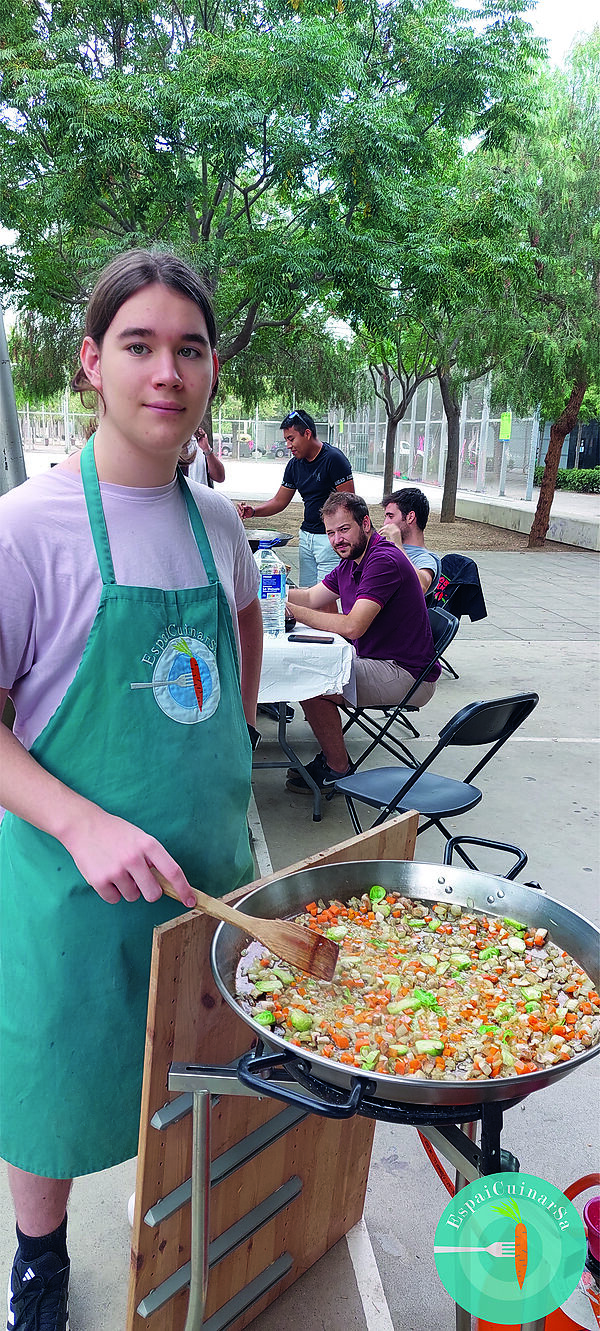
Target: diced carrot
<point>400,1066</point>
<point>341,1041</point>
<point>346,1058</point>
<point>585,1007</point>
<point>570,1019</point>
<point>559,1030</point>
<point>440,1062</point>
<point>414,1065</point>
<point>327,1050</point>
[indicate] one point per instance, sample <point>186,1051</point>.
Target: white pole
<point>533,448</point>
<point>443,450</point>
<point>483,435</point>
<point>376,429</point>
<point>12,462</point>
<point>411,435</point>
<point>66,420</point>
<point>461,432</point>
<point>427,429</point>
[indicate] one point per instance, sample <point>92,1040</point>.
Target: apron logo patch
<point>185,681</point>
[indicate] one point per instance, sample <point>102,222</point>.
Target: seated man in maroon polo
<point>383,615</point>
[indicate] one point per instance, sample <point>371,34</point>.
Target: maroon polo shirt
<point>401,630</point>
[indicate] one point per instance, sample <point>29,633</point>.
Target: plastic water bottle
<point>272,589</point>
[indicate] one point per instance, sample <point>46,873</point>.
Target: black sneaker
<point>322,774</point>
<point>38,1294</point>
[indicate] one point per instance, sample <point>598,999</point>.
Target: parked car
<point>244,448</point>
<point>278,449</point>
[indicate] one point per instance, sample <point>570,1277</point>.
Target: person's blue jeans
<point>317,557</point>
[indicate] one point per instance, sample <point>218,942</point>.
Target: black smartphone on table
<point>310,637</point>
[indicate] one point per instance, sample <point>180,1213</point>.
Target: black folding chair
<point>458,588</point>
<point>443,628</point>
<point>396,789</point>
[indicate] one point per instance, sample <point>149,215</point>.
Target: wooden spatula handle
<point>210,905</point>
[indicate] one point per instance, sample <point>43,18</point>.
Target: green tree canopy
<point>270,141</point>
<point>554,353</point>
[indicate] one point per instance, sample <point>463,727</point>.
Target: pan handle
<point>249,1069</point>
<point>456,841</point>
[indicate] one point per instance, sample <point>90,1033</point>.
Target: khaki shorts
<point>385,684</point>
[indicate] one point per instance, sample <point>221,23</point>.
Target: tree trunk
<point>452,413</point>
<point>561,427</point>
<point>390,448</point>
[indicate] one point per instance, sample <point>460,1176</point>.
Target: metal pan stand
<point>287,1079</point>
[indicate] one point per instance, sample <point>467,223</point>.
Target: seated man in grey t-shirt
<point>406,513</point>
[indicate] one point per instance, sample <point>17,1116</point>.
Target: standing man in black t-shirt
<point>315,469</point>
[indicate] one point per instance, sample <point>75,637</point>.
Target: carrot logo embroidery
<point>510,1248</point>
<point>511,1209</point>
<point>185,681</point>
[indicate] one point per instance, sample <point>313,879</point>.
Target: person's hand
<point>391,533</point>
<point>116,858</point>
<point>245,511</point>
<point>201,438</point>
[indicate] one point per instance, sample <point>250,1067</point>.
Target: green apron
<point>151,729</point>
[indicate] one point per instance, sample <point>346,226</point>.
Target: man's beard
<point>359,547</point>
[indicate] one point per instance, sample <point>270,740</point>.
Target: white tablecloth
<point>292,671</point>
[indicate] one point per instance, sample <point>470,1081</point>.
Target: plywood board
<point>188,1021</point>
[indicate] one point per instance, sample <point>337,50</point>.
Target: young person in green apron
<point>127,593</point>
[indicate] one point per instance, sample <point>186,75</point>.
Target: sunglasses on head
<point>297,415</point>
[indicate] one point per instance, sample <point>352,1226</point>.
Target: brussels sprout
<point>301,1021</point>
<point>265,1018</point>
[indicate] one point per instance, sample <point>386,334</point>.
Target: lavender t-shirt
<point>51,582</point>
<point>401,630</point>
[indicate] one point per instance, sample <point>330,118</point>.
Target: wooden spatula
<point>307,950</point>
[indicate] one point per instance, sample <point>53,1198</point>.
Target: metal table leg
<point>293,761</point>
<point>199,1210</point>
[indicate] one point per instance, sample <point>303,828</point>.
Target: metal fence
<point>488,465</point>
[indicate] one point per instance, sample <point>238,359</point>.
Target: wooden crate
<point>189,1021</point>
